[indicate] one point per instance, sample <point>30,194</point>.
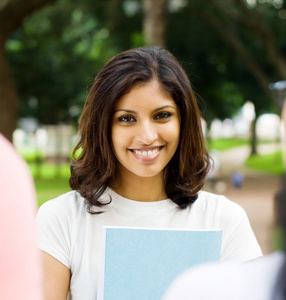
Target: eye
<point>126,119</point>
<point>163,116</point>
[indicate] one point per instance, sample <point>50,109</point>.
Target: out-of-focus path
<point>256,195</point>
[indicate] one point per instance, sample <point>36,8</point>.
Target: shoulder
<point>213,200</point>
<point>64,202</point>
<point>238,240</point>
<point>69,205</point>
<point>222,206</point>
<point>57,222</point>
<point>64,209</point>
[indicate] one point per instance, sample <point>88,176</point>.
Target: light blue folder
<point>140,263</point>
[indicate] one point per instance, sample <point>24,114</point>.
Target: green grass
<point>51,180</point>
<point>47,189</point>
<point>225,144</point>
<point>49,171</point>
<point>271,163</point>
<point>30,154</point>
<point>229,143</point>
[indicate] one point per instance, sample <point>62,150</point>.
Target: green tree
<point>69,42</point>
<point>236,50</point>
<point>65,42</point>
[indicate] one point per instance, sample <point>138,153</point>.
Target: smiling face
<point>145,131</point>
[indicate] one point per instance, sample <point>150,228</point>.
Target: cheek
<point>120,139</point>
<point>172,133</point>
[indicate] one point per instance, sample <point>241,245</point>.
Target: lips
<point>146,154</point>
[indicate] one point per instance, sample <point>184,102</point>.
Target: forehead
<point>146,95</point>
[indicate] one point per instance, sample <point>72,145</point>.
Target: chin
<point>147,174</point>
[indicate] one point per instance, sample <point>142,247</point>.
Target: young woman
<point>142,163</point>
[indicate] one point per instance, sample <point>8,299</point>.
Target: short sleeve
<point>239,242</point>
<point>54,230</point>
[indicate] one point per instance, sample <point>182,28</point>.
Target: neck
<point>141,189</point>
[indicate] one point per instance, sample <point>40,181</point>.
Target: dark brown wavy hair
<point>96,167</point>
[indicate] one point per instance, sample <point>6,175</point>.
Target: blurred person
<point>20,264</point>
<point>237,179</point>
<point>140,162</point>
<point>261,279</point>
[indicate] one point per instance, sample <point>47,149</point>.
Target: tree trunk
<point>9,103</point>
<point>253,137</point>
<point>12,14</point>
<point>155,22</point>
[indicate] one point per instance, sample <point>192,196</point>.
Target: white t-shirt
<point>255,280</point>
<point>73,236</point>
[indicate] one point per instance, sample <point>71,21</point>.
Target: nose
<point>147,133</point>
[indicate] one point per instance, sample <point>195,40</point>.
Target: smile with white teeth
<point>146,153</point>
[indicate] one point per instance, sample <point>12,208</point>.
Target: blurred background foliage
<point>230,50</point>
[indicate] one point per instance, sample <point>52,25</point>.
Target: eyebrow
<point>155,110</point>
